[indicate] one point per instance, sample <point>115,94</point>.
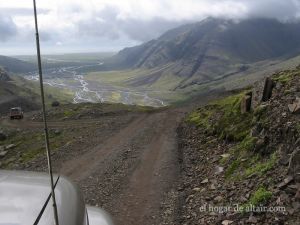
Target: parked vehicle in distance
<point>25,199</point>
<point>16,113</point>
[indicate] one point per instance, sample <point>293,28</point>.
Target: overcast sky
<point>109,25</point>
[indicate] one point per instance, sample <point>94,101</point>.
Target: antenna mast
<point>44,113</point>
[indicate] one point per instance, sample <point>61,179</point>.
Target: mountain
<point>16,65</point>
<point>211,49</point>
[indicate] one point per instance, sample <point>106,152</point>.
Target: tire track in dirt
<point>130,173</point>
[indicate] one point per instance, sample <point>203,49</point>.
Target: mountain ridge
<point>206,50</point>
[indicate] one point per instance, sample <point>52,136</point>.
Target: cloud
<point>126,22</point>
<point>21,11</point>
<point>8,28</point>
<point>107,23</point>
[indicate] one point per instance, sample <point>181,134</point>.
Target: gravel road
<point>126,163</point>
<point>130,172</point>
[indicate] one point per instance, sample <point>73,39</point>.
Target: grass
<point>232,168</point>
<point>261,168</point>
<point>246,145</point>
<point>246,164</point>
<point>223,117</point>
<point>259,197</point>
<point>69,113</point>
<point>51,93</point>
<point>29,146</point>
<point>286,76</point>
<point>162,88</point>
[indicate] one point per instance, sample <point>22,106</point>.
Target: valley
<point>93,91</point>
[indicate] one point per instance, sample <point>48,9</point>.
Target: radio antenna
<point>44,113</point>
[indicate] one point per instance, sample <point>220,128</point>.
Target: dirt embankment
<point>243,168</point>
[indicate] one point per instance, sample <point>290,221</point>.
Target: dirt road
<point>131,171</point>
<point>126,163</point>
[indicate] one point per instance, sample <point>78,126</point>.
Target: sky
<point>68,26</point>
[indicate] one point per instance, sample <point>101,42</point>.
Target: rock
<point>296,206</point>
<point>252,219</point>
<point>227,222</point>
<point>219,170</point>
<point>294,165</point>
<point>218,198</point>
<point>205,181</point>
<point>2,136</point>
<point>291,189</point>
<point>57,132</point>
<point>197,189</point>
<point>212,187</point>
<point>55,104</point>
<point>10,146</point>
<point>295,107</point>
<point>225,156</point>
<point>2,154</point>
<point>285,182</point>
<point>278,86</point>
<point>259,145</point>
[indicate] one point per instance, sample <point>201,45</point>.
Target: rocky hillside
<point>213,48</point>
<point>13,95</point>
<point>240,164</point>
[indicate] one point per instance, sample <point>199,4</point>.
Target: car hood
<point>23,195</point>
